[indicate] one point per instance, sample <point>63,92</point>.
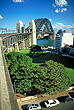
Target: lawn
<point>71,74</point>
<point>26,51</point>
<point>42,57</point>
<point>66,61</point>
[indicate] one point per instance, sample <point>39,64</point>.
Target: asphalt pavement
<point>63,106</point>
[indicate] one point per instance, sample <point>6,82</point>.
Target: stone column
<point>16,47</point>
<point>54,34</point>
<point>29,40</point>
<point>6,43</point>
<point>23,45</point>
<point>12,47</point>
<point>9,49</point>
<point>26,43</point>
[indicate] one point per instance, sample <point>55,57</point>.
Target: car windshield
<point>52,103</point>
<point>34,107</point>
<point>47,102</point>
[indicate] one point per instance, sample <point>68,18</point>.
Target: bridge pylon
<point>54,34</point>
<point>32,28</point>
<point>16,47</point>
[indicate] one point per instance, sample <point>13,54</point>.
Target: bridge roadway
<point>13,34</point>
<point>62,106</point>
<point>7,95</point>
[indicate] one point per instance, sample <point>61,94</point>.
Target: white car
<point>51,103</point>
<point>34,107</point>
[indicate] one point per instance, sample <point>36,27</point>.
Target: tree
<point>59,32</point>
<point>50,77</point>
<point>20,66</point>
<point>64,31</point>
<point>35,49</point>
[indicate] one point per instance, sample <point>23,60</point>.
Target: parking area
<point>41,98</point>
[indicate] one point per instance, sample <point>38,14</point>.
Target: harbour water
<point>46,42</point>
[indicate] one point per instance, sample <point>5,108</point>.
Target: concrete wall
<point>7,95</point>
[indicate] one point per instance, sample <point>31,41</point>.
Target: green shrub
<point>19,66</point>
<point>50,77</point>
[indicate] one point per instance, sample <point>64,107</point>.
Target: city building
<point>64,39</point>
<point>57,43</point>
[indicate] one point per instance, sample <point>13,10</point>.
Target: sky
<point>59,12</point>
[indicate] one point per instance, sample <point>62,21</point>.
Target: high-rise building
<point>64,39</point>
<point>19,26</point>
<point>57,43</point>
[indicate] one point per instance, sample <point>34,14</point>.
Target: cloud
<point>61,3</point>
<point>50,19</point>
<point>63,9</point>
<point>57,10</point>
<point>53,5</point>
<point>68,28</point>
<point>61,24</point>
<point>18,1</point>
<point>1,17</point>
<point>60,10</point>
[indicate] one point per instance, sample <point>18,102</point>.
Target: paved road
<point>62,106</point>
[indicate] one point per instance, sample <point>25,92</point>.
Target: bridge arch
<point>9,40</point>
<point>39,23</point>
<point>44,21</point>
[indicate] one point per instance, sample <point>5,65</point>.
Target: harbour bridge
<point>7,95</point>
<point>39,23</point>
<point>29,36</point>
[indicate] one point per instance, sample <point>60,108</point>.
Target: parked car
<point>33,107</point>
<point>65,99</point>
<point>51,103</point>
<point>71,94</point>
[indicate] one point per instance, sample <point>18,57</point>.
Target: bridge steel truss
<point>44,21</point>
<point>39,23</point>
